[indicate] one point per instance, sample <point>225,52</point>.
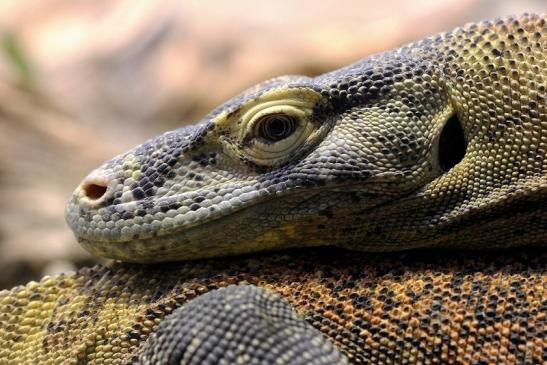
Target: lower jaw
<point>184,247</point>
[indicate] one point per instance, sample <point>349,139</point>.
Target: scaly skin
<point>439,144</point>
<point>366,167</point>
<point>417,308</point>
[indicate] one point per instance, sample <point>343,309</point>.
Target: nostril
<point>94,191</point>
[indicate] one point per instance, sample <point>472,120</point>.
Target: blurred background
<point>82,81</point>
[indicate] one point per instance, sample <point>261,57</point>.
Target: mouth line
<point>134,206</point>
<point>187,225</point>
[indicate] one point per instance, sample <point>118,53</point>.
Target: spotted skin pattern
<point>439,144</point>
<point>365,169</point>
<point>412,308</point>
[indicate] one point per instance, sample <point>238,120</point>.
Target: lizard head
<point>372,156</point>
<point>294,161</point>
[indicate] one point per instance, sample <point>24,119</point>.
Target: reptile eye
<point>276,127</point>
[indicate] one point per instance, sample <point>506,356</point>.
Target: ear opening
<point>452,144</point>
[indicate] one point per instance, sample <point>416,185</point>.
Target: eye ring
<point>276,127</point>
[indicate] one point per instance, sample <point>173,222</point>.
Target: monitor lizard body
<point>439,144</point>
<point>411,308</point>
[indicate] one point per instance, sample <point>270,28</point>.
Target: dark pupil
<point>277,127</point>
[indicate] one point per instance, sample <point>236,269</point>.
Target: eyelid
<point>243,143</point>
<point>295,108</point>
<point>293,112</point>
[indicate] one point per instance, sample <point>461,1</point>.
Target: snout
<point>94,189</point>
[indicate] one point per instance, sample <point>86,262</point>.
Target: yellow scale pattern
<point>369,171</point>
<point>418,308</point>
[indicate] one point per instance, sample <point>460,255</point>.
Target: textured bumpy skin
<point>366,157</point>
<point>440,143</point>
<point>239,325</point>
<point>415,308</point>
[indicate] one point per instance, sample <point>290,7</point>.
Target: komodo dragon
<point>438,144</point>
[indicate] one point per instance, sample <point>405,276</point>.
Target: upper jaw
<point>150,218</point>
